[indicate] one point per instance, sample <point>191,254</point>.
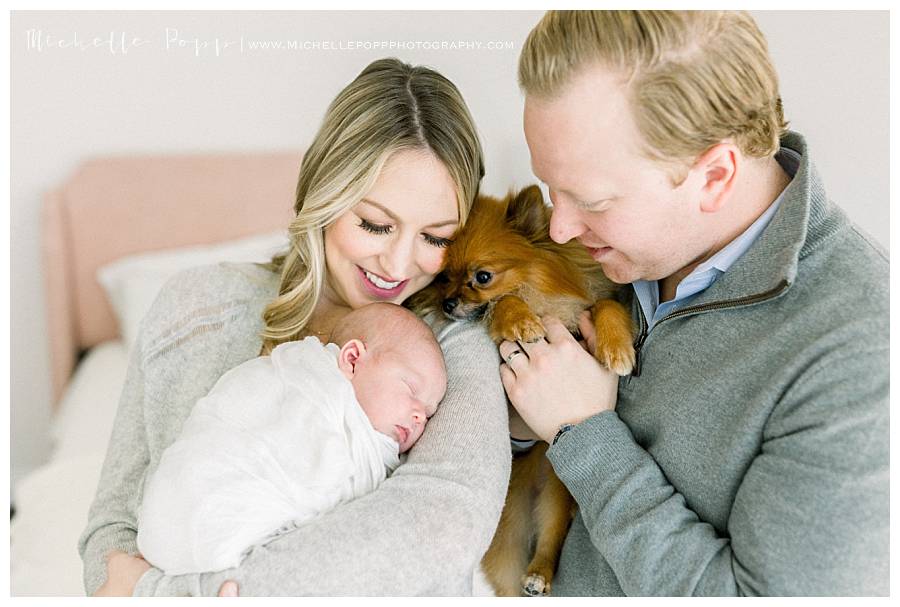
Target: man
<point>748,451</point>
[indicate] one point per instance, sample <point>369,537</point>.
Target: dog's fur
<point>504,269</point>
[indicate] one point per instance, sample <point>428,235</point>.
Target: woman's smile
<point>380,287</point>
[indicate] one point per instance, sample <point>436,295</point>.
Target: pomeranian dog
<point>503,269</point>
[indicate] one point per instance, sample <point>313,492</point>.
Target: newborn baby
<point>283,438</point>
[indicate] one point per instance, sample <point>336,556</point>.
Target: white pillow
<point>132,283</point>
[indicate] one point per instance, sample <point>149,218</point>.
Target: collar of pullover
<point>804,220</point>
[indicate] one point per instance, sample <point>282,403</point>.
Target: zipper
<point>719,305</point>
<point>639,342</point>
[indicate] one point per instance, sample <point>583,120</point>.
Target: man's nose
<point>565,223</point>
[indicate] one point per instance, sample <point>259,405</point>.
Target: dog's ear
<point>527,213</point>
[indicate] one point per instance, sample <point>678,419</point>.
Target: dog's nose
<point>450,305</point>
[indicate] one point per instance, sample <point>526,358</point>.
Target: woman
<point>388,179</point>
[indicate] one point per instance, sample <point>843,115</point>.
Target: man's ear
<point>351,353</point>
<point>527,213</point>
<point>718,167</point>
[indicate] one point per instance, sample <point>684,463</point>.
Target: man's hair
<point>694,78</point>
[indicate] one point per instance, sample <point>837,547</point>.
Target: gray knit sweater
<point>422,532</point>
<point>750,453</point>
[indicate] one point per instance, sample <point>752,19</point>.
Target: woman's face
<point>392,243</point>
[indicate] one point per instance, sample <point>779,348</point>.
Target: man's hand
<point>555,381</point>
<point>123,571</point>
<point>518,429</point>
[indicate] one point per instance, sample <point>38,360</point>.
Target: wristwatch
<point>562,430</point>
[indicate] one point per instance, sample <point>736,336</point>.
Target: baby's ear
<point>527,213</point>
<point>351,353</point>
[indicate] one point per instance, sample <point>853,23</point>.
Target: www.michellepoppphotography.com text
<point>172,40</point>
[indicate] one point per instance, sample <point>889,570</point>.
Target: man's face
<point>619,204</point>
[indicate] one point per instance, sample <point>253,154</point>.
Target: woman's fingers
<point>228,588</point>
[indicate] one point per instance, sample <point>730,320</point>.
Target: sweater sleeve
<point>423,531</point>
<point>113,515</point>
<point>112,518</point>
<point>810,517</point>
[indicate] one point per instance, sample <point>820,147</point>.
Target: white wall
<point>69,104</point>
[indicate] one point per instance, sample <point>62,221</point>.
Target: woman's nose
<point>396,259</point>
<point>565,224</point>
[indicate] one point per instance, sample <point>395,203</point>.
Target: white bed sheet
<point>52,502</point>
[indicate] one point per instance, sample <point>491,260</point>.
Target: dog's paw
<point>618,360</point>
<point>526,329</point>
<point>535,585</point>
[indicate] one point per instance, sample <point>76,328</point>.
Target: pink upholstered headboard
<point>113,207</point>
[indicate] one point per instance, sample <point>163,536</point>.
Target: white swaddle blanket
<point>278,439</point>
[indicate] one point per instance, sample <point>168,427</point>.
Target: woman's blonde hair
<point>390,106</point>
<point>695,78</point>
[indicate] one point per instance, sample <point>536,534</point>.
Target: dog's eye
<point>483,277</point>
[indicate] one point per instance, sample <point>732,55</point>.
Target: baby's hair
<point>384,328</point>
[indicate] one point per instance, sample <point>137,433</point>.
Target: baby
<point>281,439</point>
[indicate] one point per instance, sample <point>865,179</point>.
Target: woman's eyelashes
<point>437,242</point>
<point>376,228</point>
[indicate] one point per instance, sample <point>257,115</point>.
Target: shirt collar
<point>722,260</point>
<point>707,272</point>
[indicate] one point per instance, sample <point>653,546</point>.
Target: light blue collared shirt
<point>707,272</point>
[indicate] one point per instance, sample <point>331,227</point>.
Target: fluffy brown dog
<point>504,269</point>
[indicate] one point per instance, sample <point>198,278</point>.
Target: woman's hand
<point>556,381</point>
<point>123,571</point>
<point>228,588</point>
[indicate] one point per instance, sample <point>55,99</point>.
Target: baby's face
<point>399,392</point>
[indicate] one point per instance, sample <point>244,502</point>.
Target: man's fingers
<point>556,331</point>
<point>507,377</point>
<point>588,331</point>
<point>532,347</point>
<point>506,347</point>
<point>513,354</point>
